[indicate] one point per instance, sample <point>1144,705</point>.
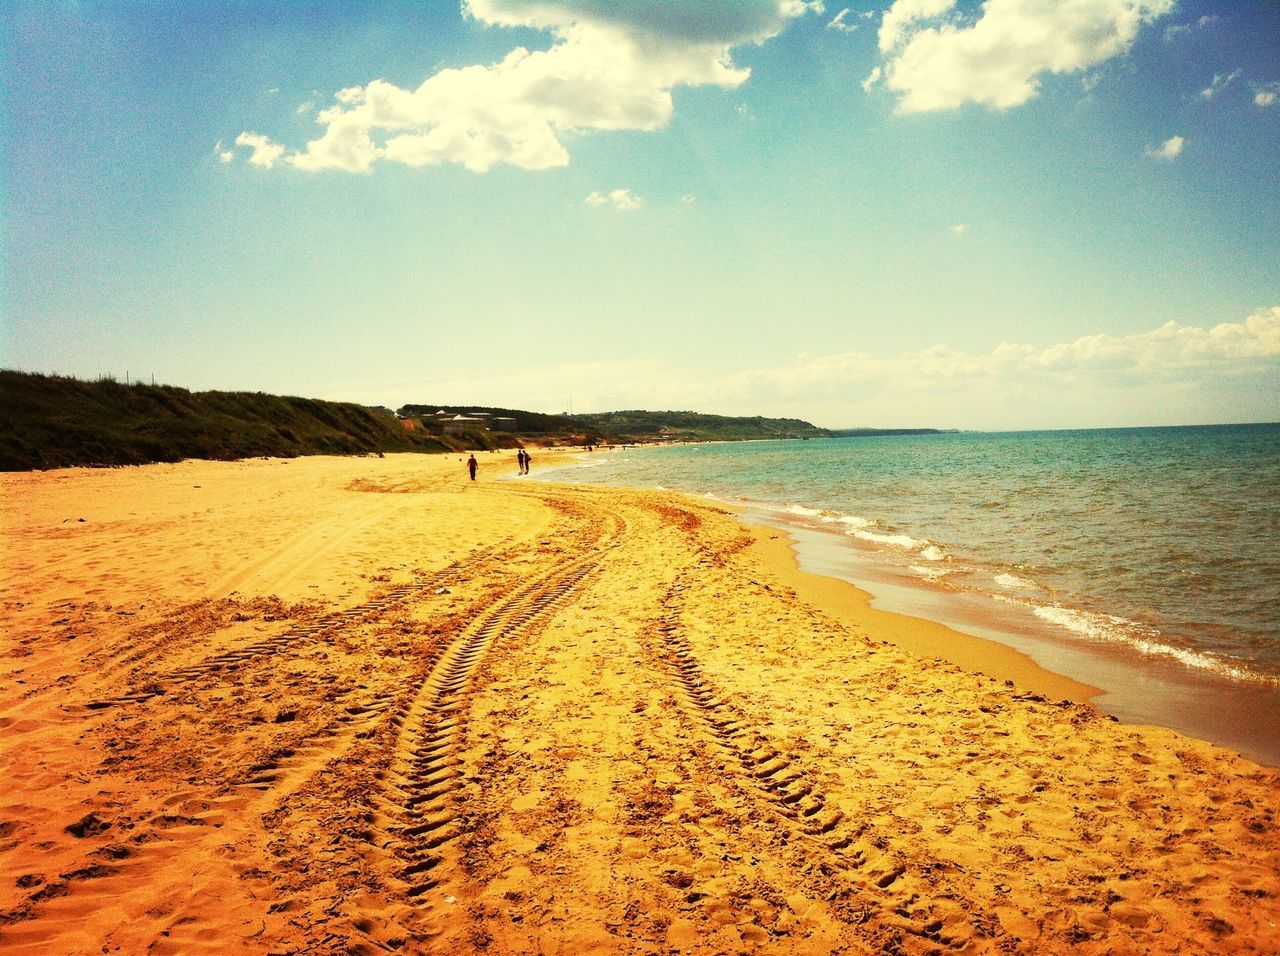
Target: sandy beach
<point>335,705</point>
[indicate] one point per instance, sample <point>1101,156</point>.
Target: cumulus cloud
<point>959,229</point>
<point>1107,371</point>
<point>899,19</point>
<point>263,152</point>
<point>1171,374</point>
<point>1169,150</point>
<point>611,66</point>
<point>1266,94</point>
<point>618,198</point>
<point>224,155</point>
<point>939,59</point>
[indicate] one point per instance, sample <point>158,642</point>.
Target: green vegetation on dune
<point>50,421</point>
<point>695,426</point>
<point>530,423</point>
<point>636,426</point>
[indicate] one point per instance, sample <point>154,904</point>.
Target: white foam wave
<point>802,511</point>
<point>930,572</point>
<point>897,540</point>
<point>828,517</point>
<point>1107,627</point>
<point>1006,599</point>
<point>1086,623</point>
<point>1014,582</point>
<point>932,552</point>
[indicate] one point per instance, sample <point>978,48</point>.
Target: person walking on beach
<point>472,466</point>
<point>527,458</point>
<point>520,460</point>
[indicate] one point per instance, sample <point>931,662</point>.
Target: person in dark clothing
<point>472,466</point>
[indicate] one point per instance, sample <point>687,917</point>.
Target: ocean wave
<point>898,540</point>
<point>1140,637</point>
<point>1086,623</point>
<point>930,572</point>
<point>1006,580</point>
<point>802,511</point>
<point>828,517</point>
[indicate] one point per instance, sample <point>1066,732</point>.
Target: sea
<point>1142,561</point>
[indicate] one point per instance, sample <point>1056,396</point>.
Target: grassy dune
<point>51,421</point>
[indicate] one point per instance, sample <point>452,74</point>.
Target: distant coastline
<point>51,421</point>
<point>886,432</point>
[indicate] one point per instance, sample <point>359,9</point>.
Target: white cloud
<point>618,198</point>
<point>840,23</point>
<point>264,152</point>
<point>1178,30</point>
<point>898,19</point>
<point>1168,374</point>
<point>872,79</point>
<point>959,229</point>
<point>688,199</point>
<point>1170,149</point>
<point>937,60</point>
<point>1266,94</point>
<point>224,155</point>
<point>1220,82</point>
<point>611,66</point>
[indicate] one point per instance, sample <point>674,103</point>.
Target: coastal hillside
<point>631,426</point>
<point>53,421</point>
<point>526,422</point>
<point>693,426</point>
<point>49,421</point>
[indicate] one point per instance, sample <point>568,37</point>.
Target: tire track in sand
<point>781,783</point>
<point>427,774</point>
<point>360,613</point>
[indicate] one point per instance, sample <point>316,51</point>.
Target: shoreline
<point>1139,687</point>
<point>921,636</point>
<point>342,705</point>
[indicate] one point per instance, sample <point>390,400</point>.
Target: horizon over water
<point>1140,560</point>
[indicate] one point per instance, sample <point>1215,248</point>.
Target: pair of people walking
<point>522,457</point>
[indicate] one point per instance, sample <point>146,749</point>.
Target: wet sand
<point>335,705</point>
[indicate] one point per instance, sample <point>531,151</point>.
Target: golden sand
<point>335,705</point>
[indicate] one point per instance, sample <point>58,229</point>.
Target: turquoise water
<point>1162,541</point>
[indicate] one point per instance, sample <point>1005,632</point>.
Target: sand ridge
<point>336,705</point>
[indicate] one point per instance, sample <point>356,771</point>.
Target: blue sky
<point>1011,214</point>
